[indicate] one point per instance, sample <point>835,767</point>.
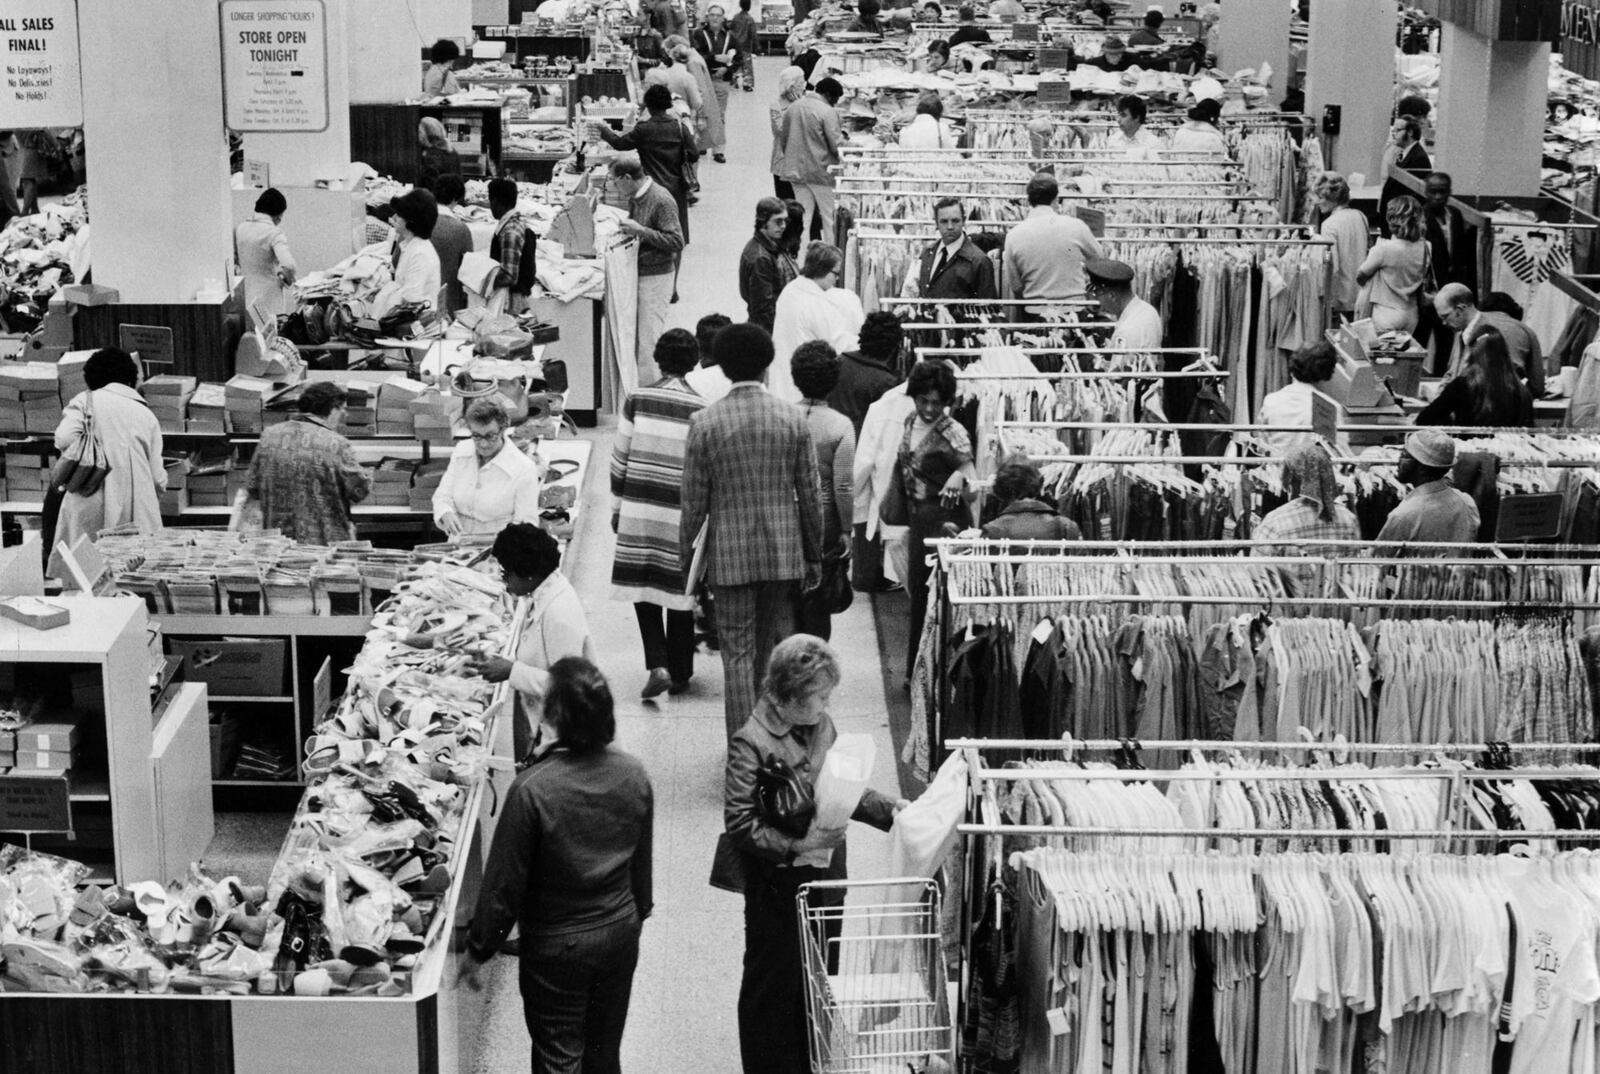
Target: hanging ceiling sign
<point>275,66</point>
<point>39,50</point>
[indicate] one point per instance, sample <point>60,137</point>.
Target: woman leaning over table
<point>571,868</point>
<point>791,723</point>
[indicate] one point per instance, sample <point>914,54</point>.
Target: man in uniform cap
<point>1138,323</point>
<point>1434,510</point>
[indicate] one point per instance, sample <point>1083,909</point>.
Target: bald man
<point>1457,309</point>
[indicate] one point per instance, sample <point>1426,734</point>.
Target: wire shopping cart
<point>876,996</point>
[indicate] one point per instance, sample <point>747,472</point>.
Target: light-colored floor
<point>681,1020</point>
<point>685,991</point>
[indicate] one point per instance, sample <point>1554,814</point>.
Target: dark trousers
<point>670,646</point>
<point>785,190</point>
<point>773,1038</point>
<point>575,990</point>
<point>751,620</point>
<point>811,615</point>
<point>866,560</point>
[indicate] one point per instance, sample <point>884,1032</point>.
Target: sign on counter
<point>42,88</point>
<point>35,804</point>
<point>152,343</point>
<point>275,66</point>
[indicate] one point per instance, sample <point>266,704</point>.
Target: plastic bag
<point>846,773</point>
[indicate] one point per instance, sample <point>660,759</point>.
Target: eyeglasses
<point>488,438</point>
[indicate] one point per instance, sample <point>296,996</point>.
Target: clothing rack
<point>1071,745</point>
<point>1017,326</point>
<point>941,303</point>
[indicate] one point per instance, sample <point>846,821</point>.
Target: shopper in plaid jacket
<point>751,471</point>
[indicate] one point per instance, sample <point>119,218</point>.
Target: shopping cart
<point>876,996</point>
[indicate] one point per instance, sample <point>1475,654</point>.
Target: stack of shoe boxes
<point>168,396</point>
<point>30,397</point>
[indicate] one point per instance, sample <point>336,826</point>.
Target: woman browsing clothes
<point>790,724</point>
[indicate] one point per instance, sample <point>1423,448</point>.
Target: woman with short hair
<point>647,481</point>
<point>116,415</point>
<point>1351,237</point>
<point>814,306</point>
<point>439,80</point>
<point>490,482</point>
<point>571,868</point>
<point>792,725</point>
<point>417,272</point>
<point>264,259</point>
<point>1395,269</point>
<point>1290,407</point>
<point>936,472</point>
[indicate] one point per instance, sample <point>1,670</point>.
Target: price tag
<point>1060,1024</point>
<point>1324,416</point>
<point>1041,633</point>
<point>1529,516</point>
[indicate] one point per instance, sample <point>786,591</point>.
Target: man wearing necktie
<point>1457,310</point>
<point>954,267</point>
<point>1453,253</point>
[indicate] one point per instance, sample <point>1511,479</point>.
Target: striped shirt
<point>647,481</point>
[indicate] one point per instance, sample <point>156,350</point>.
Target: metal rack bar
<point>1246,561</point>
<point>1271,602</point>
<point>953,544</point>
<point>1100,744</point>
<point>1480,835</point>
<point>1276,775</point>
<point>1265,460</point>
<point>1034,326</point>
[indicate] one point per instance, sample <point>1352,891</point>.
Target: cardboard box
<point>59,736</point>
<point>35,612</point>
<point>39,762</point>
<point>242,667</point>
<point>90,294</point>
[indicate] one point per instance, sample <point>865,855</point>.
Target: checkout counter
<point>1373,375</point>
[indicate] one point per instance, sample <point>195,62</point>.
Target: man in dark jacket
<point>1453,254</point>
<point>765,268</point>
<point>665,146</point>
<point>1024,516</point>
<point>954,267</point>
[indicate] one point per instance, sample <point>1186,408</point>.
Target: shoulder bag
<point>83,466</point>
<point>783,799</point>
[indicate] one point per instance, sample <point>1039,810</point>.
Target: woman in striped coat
<point>647,481</point>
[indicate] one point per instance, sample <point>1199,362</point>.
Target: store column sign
<point>275,66</point>
<point>39,44</point>
<point>1579,44</point>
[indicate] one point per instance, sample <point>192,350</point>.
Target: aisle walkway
<point>682,1017</point>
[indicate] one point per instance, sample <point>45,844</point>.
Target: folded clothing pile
<point>40,254</point>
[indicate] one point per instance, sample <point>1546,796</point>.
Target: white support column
<point>447,18</point>
<point>386,50</point>
<point>299,160</point>
<point>1256,32</point>
<point>1490,123</point>
<point>1351,51</point>
<point>157,155</point>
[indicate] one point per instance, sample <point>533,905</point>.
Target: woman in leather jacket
<point>791,723</point>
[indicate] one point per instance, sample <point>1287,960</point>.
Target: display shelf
<point>275,626</point>
<point>248,699</point>
<point>156,770</point>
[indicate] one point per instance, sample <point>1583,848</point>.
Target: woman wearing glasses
<point>490,482</point>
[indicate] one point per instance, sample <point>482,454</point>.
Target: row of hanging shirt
<point>1294,963</point>
<point>1256,678</point>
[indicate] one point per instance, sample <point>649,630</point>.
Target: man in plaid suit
<point>751,473</point>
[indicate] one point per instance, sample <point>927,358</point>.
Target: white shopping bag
<point>846,774</point>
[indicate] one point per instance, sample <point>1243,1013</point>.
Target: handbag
<point>784,800</point>
<point>83,466</point>
<point>835,592</point>
<point>894,511</point>
<point>728,871</point>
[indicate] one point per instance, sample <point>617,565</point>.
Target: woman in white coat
<point>813,306</point>
<point>131,437</point>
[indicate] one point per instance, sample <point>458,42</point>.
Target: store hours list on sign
<point>275,65</point>
<point>39,85</point>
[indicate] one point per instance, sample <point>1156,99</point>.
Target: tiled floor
<point>681,1020</point>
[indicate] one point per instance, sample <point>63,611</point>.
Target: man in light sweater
<point>1044,255</point>
<point>653,220</point>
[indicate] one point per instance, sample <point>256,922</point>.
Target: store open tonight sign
<point>275,66</point>
<point>39,83</point>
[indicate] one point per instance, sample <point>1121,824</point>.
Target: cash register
<point>1373,369</point>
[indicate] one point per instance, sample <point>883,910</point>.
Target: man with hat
<point>953,267</point>
<point>1113,55</point>
<point>1138,324</point>
<point>1434,510</point>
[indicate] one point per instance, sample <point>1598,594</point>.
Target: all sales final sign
<point>39,68</point>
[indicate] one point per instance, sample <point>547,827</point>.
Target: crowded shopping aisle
<point>682,1016</point>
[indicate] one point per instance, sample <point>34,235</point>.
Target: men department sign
<point>1579,43</point>
<point>275,66</point>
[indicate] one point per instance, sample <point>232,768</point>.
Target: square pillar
<point>1490,124</point>
<point>1351,50</point>
<point>299,160</point>
<point>157,155</point>
<point>1256,32</point>
<point>385,51</point>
